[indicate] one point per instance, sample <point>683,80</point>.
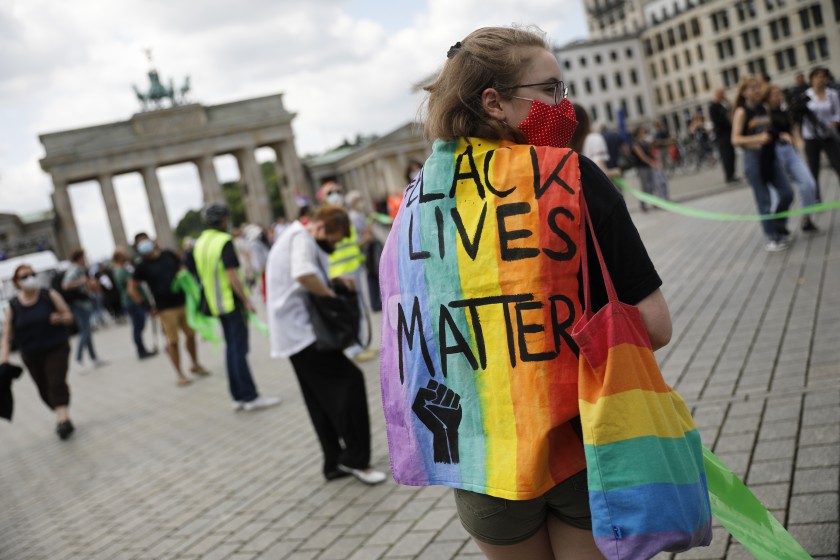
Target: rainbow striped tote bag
<point>647,482</point>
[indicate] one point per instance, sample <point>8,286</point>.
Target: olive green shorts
<point>503,522</point>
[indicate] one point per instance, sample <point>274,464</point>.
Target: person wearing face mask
<point>224,295</point>
<point>158,268</point>
<point>37,320</point>
<point>348,261</point>
<point>333,387</point>
<point>494,216</point>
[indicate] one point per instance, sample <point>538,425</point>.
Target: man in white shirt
<point>333,387</point>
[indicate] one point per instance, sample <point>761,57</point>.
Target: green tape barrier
<point>205,326</point>
<point>745,517</point>
<point>721,216</point>
<point>257,323</point>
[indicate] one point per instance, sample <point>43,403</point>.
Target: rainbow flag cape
<point>479,281</point>
<point>647,483</point>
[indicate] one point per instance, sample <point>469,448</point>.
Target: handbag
<point>647,483</point>
<point>335,320</point>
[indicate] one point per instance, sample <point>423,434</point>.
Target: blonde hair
<point>488,57</point>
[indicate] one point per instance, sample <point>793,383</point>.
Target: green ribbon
<point>202,324</point>
<point>721,216</point>
<point>745,517</point>
<point>257,323</point>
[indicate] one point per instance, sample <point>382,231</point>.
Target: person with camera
<point>333,386</point>
<point>821,124</point>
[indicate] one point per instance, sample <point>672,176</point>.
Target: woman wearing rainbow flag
<point>481,286</point>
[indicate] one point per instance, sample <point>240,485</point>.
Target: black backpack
<point>69,296</point>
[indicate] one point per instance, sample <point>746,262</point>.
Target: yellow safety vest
<point>211,272</point>
<point>347,256</point>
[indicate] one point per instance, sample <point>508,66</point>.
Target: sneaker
<point>365,356</point>
<point>237,405</point>
<point>776,246</point>
<point>64,429</point>
<point>810,227</point>
<point>368,476</point>
<point>99,363</point>
<point>146,354</point>
<point>260,402</point>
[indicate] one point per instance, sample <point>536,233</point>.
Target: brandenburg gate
<point>179,134</point>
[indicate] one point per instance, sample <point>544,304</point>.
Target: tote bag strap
<point>608,283</point>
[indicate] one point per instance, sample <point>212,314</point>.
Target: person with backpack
<point>37,321</point>
<point>821,124</point>
<point>74,285</point>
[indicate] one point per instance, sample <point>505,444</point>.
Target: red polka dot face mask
<point>549,125</point>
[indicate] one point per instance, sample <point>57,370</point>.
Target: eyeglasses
<point>25,276</point>
<point>559,91</point>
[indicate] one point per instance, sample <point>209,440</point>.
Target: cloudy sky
<point>345,67</point>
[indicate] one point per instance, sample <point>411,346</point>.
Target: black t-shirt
<point>158,275</point>
<point>625,255</point>
<point>756,120</point>
<point>780,121</point>
<point>719,116</point>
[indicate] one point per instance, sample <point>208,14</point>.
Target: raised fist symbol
<point>439,408</point>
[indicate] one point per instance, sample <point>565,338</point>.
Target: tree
<point>191,225</point>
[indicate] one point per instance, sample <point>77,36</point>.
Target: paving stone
<point>811,481</point>
<point>389,534</point>
<point>765,472</point>
<point>818,456</point>
<point>410,545</point>
<point>340,549</point>
<point>818,539</point>
<point>777,430</point>
<point>439,550</point>
<point>777,449</point>
<point>819,435</point>
<point>773,496</point>
<point>734,443</point>
<point>813,508</point>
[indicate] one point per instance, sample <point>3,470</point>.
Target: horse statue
<point>157,93</point>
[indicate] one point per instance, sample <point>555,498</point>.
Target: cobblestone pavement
<point>156,471</point>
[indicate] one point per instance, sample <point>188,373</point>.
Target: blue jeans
<point>773,229</point>
<point>798,172</point>
<point>241,383</point>
<point>81,314</point>
<point>138,322</point>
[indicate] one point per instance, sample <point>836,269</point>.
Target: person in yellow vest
<point>215,264</point>
<point>347,261</point>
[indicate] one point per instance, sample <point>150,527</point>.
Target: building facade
<point>690,48</point>
<point>23,235</point>
<point>606,76</point>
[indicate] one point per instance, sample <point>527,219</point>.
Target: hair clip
<point>453,49</point>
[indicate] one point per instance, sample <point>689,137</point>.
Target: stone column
<point>68,235</point>
<point>165,236</point>
<point>112,208</point>
<point>290,205</point>
<point>254,195</point>
<point>294,170</point>
<point>211,190</point>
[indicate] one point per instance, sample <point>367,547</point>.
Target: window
<point>785,58</point>
<point>805,18</point>
<point>671,40</point>
<point>628,52</point>
<point>687,57</point>
<point>785,22</point>
<point>653,70</point>
<point>751,38</point>
<point>587,85</point>
<point>695,27</point>
<point>816,15</point>
<point>683,32</point>
<point>700,53</point>
<point>664,66</point>
<point>572,89</point>
<point>597,59</point>
<point>822,47</point>
<point>660,46</point>
<point>613,55</point>
<point>676,60</point>
<point>729,76</point>
<point>681,88</point>
<point>768,4</point>
<point>649,47</point>
<point>658,96</point>
<point>811,50</point>
<point>706,84</point>
<point>603,81</point>
<point>634,79</point>
<point>640,106</point>
<point>693,83</point>
<point>609,111</point>
<point>594,113</point>
<point>618,79</point>
<point>670,93</point>
<point>566,64</point>
<point>836,10</point>
<point>582,62</point>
